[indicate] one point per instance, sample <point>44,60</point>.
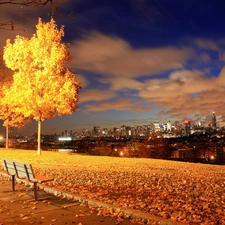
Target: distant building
<point>128,130</point>
<point>105,132</point>
<point>187,124</point>
<point>168,126</point>
<point>116,131</point>
<point>123,130</point>
<point>213,120</point>
<point>96,132</point>
<point>156,127</point>
<point>133,131</point>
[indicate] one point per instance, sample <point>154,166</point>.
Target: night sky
<point>139,61</point>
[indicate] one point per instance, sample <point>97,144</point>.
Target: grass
<point>181,191</point>
<point>72,159</point>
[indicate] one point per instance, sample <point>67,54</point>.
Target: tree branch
<point>26,2</point>
<point>32,4</point>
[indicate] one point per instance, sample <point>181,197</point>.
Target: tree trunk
<point>39,138</point>
<point>7,137</point>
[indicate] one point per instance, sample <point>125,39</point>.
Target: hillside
<point>184,192</point>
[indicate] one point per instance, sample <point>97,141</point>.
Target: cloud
<point>122,104</point>
<point>122,83</point>
<point>186,92</point>
<point>206,44</point>
<point>179,83</point>
<point>84,81</point>
<point>222,56</point>
<point>204,58</point>
<point>221,77</point>
<point>110,55</point>
<point>96,95</point>
<point>204,103</point>
<point>183,93</point>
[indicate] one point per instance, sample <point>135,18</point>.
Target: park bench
<point>23,171</point>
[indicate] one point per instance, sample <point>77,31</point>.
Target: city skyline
<point>153,126</point>
<point>138,61</point>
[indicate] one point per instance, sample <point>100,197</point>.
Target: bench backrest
<point>21,170</point>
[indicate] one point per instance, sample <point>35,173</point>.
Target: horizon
<point>206,124</point>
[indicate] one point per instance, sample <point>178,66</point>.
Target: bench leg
<point>13,182</point>
<point>35,191</point>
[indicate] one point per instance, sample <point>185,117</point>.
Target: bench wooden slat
<point>9,166</point>
<point>23,171</point>
<point>42,179</point>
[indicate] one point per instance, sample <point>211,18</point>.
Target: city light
<point>2,139</point>
<point>65,139</point>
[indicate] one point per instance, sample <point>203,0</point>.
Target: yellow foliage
<point>43,86</point>
<point>8,114</point>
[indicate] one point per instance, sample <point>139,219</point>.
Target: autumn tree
<point>43,82</point>
<point>10,117</point>
<point>5,82</point>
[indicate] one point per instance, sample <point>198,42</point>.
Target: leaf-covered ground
<point>185,192</point>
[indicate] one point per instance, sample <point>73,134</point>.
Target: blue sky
<point>139,61</point>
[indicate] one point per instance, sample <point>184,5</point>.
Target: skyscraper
<point>213,120</point>
<point>187,124</point>
<point>168,125</point>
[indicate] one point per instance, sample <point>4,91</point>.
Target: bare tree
<point>29,6</point>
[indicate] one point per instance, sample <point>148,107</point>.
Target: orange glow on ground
<point>168,189</point>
